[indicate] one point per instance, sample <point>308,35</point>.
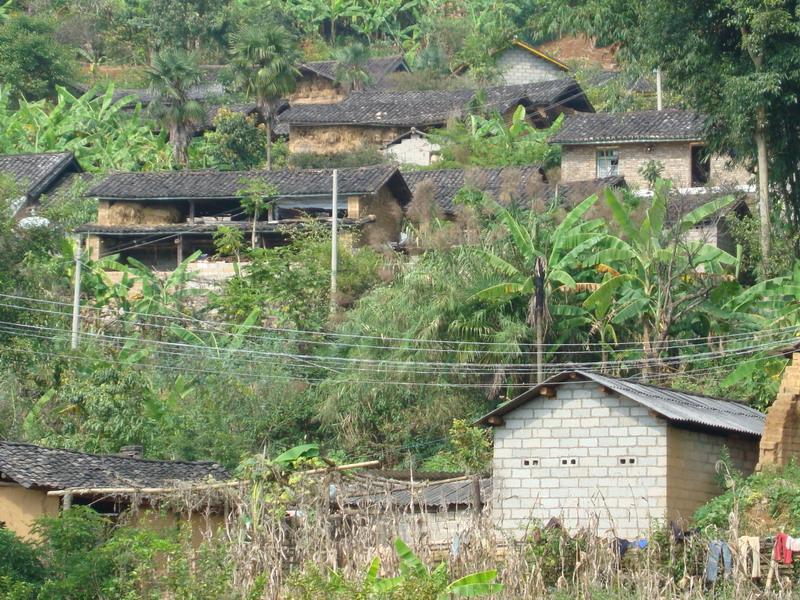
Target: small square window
<point>563,461</point>
<point>622,461</point>
<point>607,163</point>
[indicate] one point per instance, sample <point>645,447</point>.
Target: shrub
<point>357,158</point>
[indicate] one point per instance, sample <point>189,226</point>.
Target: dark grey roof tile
<point>36,173</point>
<point>377,67</point>
<point>51,468</point>
<point>634,126</point>
<point>433,107</point>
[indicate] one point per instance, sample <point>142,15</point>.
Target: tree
<point>736,65</point>
<point>659,277</point>
<point>537,275</point>
<point>256,197</point>
<point>351,67</point>
<point>264,69</point>
<point>172,75</point>
<point>733,60</point>
<point>236,143</point>
<point>32,62</point>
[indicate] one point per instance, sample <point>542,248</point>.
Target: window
<point>701,166</point>
<point>607,163</point>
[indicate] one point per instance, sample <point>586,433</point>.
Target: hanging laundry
<point>750,548</point>
<point>718,552</point>
<point>782,553</point>
<point>793,543</point>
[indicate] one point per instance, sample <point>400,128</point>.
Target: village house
<point>520,62</point>
<point>159,218</point>
<point>37,481</point>
<point>35,175</point>
<point>506,185</point>
<point>583,446</point>
<point>379,119</point>
<point>601,145</point>
<point>317,82</point>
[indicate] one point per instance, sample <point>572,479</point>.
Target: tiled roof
<point>571,193</point>
<point>504,184</point>
<point>145,96</point>
<point>35,173</point>
<point>673,405</point>
<point>635,126</point>
<point>377,67</point>
<point>433,107</point>
<point>39,467</point>
<point>295,183</point>
<point>434,494</point>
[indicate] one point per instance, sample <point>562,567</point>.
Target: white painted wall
<point>414,150</point>
<point>583,424</point>
<point>516,65</point>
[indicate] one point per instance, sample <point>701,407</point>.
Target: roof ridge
<point>49,153</point>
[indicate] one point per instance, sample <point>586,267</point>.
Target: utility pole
<point>334,226</point>
<point>76,298</point>
<point>658,89</point>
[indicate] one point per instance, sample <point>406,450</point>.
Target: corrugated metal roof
<point>673,405</point>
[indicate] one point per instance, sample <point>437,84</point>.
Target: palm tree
<point>536,275</point>
<point>264,69</point>
<point>172,74</point>
<point>351,67</point>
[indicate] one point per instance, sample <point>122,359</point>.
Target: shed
<point>583,446</point>
<point>159,217</point>
<point>29,472</point>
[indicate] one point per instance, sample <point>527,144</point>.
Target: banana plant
<point>537,274</point>
<point>653,274</point>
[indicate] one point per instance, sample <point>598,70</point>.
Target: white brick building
<point>582,446</point>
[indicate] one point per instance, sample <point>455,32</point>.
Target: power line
<point>583,347</point>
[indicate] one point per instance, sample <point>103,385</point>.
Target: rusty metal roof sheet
<point>673,405</point>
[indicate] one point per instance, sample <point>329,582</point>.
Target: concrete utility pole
<point>658,89</point>
<point>76,298</point>
<point>334,226</point>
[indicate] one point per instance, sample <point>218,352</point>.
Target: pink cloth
<point>782,552</point>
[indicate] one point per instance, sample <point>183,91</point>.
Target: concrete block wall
<point>516,65</point>
<point>691,467</point>
<point>597,431</point>
<point>579,163</point>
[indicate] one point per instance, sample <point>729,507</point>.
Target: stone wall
<point>337,139</point>
<point>516,65</point>
<point>594,433</point>
<point>579,163</point>
<point>781,439</point>
<point>692,459</point>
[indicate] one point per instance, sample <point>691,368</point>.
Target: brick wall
<point>516,65</point>
<point>597,431</point>
<point>781,439</point>
<point>691,467</point>
<point>578,163</point>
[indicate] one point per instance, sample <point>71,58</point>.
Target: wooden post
<point>477,501</point>
<point>191,212</point>
<point>66,503</point>
<point>76,296</point>
<point>179,244</point>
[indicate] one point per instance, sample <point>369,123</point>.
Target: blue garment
<point>718,550</point>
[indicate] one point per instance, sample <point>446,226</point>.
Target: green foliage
<point>351,67</point>
<point>302,298</point>
<point>490,142</point>
<point>357,158</point>
<point>651,171</point>
<point>32,62</point>
<point>745,232</point>
<point>229,241</point>
<point>18,559</point>
<point>768,500</point>
<point>171,77</point>
<point>236,143</point>
<point>415,580</point>
<point>98,130</point>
